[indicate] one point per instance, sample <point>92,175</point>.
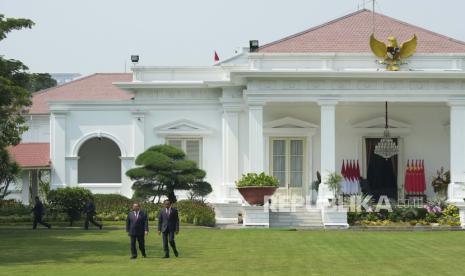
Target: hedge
<point>114,207</point>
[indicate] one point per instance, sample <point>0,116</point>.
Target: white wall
<point>208,116</point>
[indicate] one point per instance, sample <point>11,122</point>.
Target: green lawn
<point>234,252</point>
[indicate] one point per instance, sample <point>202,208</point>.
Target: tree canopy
<point>16,85</point>
<point>164,169</point>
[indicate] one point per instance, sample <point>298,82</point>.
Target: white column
<point>25,190</point>
<point>328,148</point>
<point>230,146</point>
<point>256,141</point>
<point>138,127</point>
<point>126,183</point>
<point>457,141</point>
<point>72,170</point>
<point>58,149</point>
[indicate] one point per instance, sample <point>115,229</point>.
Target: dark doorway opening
<point>381,172</point>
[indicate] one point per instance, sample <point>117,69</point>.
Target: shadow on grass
<point>21,246</point>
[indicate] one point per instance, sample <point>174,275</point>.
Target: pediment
<point>183,127</point>
<point>380,123</point>
<point>289,122</point>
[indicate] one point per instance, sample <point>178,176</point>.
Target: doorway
<point>287,164</point>
<point>381,172</point>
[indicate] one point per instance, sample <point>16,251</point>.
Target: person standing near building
<point>168,226</point>
<point>137,226</point>
<point>90,213</point>
<point>38,212</point>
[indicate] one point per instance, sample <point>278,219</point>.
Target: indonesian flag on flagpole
<point>412,176</point>
<point>358,178</point>
<point>216,57</point>
<point>343,173</point>
<point>423,178</point>
<point>352,177</point>
<point>407,178</point>
<point>415,177</point>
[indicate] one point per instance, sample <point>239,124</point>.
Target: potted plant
<point>440,182</point>
<point>333,180</point>
<point>254,187</point>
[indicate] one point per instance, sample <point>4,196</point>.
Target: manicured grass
<point>234,252</point>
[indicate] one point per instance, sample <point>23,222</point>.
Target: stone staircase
<point>300,218</point>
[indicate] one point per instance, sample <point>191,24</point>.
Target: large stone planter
<point>256,195</point>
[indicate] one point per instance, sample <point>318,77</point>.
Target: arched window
<point>99,161</point>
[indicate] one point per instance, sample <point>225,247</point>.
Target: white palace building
<point>290,108</point>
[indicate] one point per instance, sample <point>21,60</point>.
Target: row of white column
<point>328,143</point>
<point>256,144</point>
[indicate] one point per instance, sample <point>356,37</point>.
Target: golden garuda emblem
<point>393,54</point>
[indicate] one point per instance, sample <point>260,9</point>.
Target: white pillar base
<point>335,217</point>
<point>256,216</point>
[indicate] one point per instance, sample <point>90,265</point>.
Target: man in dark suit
<point>168,225</point>
<point>38,212</point>
<point>90,213</point>
<point>137,226</point>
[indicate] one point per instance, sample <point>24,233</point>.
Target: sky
<point>89,36</point>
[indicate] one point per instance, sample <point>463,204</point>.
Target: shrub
<point>195,212</point>
<point>431,217</point>
<point>70,200</point>
<point>112,203</point>
<point>257,180</point>
<point>451,211</point>
<point>12,207</point>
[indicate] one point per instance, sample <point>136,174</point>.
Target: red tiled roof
<point>30,155</point>
<point>94,87</point>
<point>351,34</point>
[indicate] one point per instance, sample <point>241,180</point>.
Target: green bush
<point>431,217</point>
<point>109,207</point>
<point>69,200</point>
<point>260,180</point>
<point>195,212</point>
<point>112,203</point>
<point>12,207</point>
<point>451,211</point>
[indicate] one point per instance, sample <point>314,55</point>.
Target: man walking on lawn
<point>90,213</point>
<point>137,226</point>
<point>38,212</point>
<point>168,225</point>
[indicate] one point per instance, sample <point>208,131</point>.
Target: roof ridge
<point>313,28</point>
<point>422,28</point>
<point>356,13</point>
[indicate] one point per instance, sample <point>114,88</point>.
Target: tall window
<point>287,161</point>
<point>190,146</point>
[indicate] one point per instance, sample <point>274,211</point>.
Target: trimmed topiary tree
<point>69,200</point>
<point>199,190</point>
<point>162,170</point>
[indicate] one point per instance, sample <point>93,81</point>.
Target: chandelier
<point>386,148</point>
